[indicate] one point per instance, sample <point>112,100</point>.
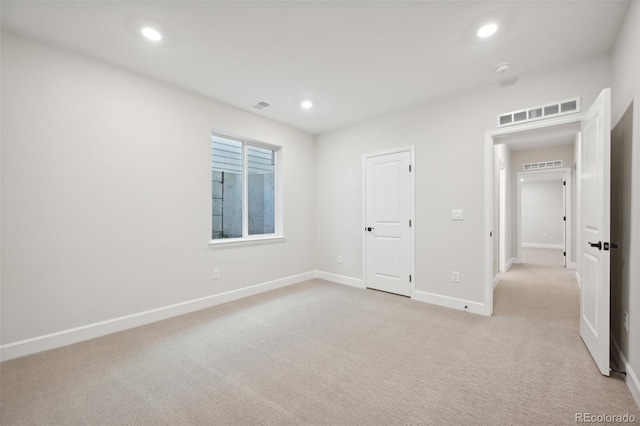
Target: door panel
<point>387,256</point>
<point>387,213</point>
<point>589,312</point>
<point>386,197</point>
<point>595,181</point>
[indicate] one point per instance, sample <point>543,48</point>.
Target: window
<point>244,189</point>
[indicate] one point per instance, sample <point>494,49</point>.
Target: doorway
<point>545,215</point>
<point>622,285</point>
<point>539,158</point>
<point>593,246</point>
<point>518,146</point>
<point>388,244</point>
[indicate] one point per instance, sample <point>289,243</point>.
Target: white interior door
<point>388,212</point>
<point>595,179</point>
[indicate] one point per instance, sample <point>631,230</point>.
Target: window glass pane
<point>226,183</point>
<point>261,196</point>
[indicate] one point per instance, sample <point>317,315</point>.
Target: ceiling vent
<point>262,105</point>
<point>543,165</point>
<point>540,112</point>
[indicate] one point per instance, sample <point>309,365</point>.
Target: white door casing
<point>502,217</point>
<point>388,217</point>
<point>564,219</point>
<point>595,177</point>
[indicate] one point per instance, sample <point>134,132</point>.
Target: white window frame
<point>278,234</point>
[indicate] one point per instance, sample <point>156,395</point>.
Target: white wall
<point>625,90</point>
<point>106,194</point>
<point>449,139</point>
<point>542,204</point>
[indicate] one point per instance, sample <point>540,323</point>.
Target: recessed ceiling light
<point>151,34</point>
<point>306,104</point>
<point>487,30</point>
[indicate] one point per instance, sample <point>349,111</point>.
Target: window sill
<point>246,241</point>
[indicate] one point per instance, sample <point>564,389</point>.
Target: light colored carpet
<point>542,257</point>
<point>324,354</point>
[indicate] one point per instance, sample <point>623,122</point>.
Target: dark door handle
<point>370,229</point>
<point>598,244</point>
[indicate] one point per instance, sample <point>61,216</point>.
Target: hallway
<point>542,298</point>
<point>540,289</point>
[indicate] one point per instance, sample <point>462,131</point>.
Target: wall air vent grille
<point>543,165</point>
<point>569,106</point>
<point>262,105</point>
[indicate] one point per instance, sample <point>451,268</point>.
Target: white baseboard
<point>496,280</point>
<point>102,328</point>
<point>418,295</point>
<point>449,302</point>
<point>631,378</point>
<point>543,246</point>
<point>340,279</point>
<point>578,280</point>
<point>510,263</point>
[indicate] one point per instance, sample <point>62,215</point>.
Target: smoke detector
<point>503,67</point>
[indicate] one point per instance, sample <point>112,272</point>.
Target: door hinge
<point>564,183</point>
<point>564,253</point>
<point>409,223</point>
<point>564,218</point>
<point>409,167</point>
<point>409,278</point>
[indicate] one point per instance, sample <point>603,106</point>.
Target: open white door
<point>388,205</point>
<point>595,212</point>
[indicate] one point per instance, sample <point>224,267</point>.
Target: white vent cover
<point>262,105</point>
<point>569,106</point>
<point>543,165</point>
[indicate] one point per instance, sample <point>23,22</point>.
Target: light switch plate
<point>457,214</point>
